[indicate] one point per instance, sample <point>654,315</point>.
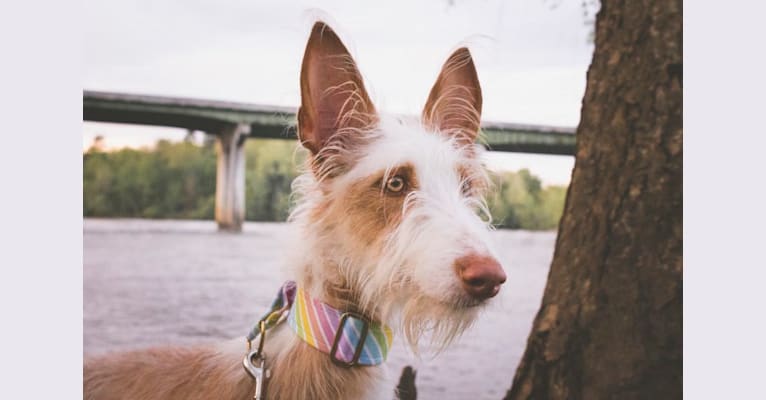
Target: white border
<point>41,200</point>
<point>724,200</point>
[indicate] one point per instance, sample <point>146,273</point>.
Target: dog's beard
<point>424,317</point>
<point>428,320</point>
<point>425,322</point>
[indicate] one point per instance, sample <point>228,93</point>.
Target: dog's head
<point>395,207</point>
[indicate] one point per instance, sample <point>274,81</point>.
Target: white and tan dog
<point>388,227</point>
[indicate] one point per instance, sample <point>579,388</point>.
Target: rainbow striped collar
<point>349,338</point>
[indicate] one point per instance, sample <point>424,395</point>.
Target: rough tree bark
<point>610,324</point>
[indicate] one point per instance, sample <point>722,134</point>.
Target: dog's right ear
<point>333,98</point>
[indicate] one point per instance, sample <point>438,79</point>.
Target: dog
<point>391,235</point>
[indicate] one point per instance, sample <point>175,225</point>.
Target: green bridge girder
<point>279,122</point>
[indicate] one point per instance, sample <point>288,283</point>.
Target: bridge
<point>233,123</point>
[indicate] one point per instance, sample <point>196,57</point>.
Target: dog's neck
<point>323,282</point>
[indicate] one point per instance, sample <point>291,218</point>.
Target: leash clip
<point>255,363</point>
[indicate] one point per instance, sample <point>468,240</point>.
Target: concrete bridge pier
<point>230,178</point>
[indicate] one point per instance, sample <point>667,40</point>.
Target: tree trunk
<point>610,324</point>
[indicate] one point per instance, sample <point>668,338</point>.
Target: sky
<point>531,56</point>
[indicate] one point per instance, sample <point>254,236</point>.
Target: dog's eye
<point>395,184</point>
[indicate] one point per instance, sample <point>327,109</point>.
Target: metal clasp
<point>255,363</point>
<point>339,334</point>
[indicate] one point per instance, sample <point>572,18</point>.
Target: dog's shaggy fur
<point>387,210</point>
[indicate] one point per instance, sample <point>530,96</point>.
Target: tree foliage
<point>177,180</point>
<point>173,180</point>
<point>519,201</point>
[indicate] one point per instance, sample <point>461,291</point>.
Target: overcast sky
<point>531,55</point>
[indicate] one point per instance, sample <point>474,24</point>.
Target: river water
<point>180,282</point>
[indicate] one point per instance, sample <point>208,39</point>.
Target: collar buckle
<point>339,333</point>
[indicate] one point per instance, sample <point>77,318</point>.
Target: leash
<point>348,338</point>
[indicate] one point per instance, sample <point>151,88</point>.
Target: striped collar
<point>348,338</point>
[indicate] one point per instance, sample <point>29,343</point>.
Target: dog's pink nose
<point>481,275</point>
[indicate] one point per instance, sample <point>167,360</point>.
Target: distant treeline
<point>177,180</point>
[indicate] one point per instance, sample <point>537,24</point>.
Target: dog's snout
<point>481,276</point>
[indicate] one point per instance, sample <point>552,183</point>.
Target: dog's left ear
<point>454,105</point>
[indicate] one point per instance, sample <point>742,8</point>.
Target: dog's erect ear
<point>454,105</point>
<point>333,97</point>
